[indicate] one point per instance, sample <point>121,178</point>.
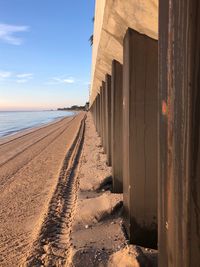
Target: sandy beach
<point>98,236</point>
<point>30,172</point>
<point>56,202</point>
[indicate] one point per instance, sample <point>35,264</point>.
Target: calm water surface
<point>15,121</point>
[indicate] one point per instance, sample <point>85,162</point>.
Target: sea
<point>12,122</point>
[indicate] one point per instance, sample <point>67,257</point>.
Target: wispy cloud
<point>16,77</point>
<point>24,77</point>
<point>8,33</point>
<point>5,74</point>
<point>68,81</point>
<point>57,80</point>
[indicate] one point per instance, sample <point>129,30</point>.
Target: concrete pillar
<point>108,117</point>
<point>103,117</point>
<point>140,90</point>
<point>116,126</point>
<point>94,112</point>
<point>98,113</point>
<point>179,134</point>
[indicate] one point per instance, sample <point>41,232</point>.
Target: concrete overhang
<point>112,19</point>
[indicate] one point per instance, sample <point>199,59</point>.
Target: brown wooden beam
<point>179,135</point>
<point>140,91</point>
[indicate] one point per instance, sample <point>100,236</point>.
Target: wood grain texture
<point>179,172</point>
<point>140,91</point>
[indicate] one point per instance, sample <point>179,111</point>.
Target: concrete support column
<point>179,133</point>
<point>101,114</point>
<point>140,91</point>
<point>94,113</point>
<point>108,117</point>
<point>98,112</point>
<point>116,126</point>
<point>103,117</point>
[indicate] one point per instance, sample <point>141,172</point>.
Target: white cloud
<point>16,77</point>
<point>7,33</point>
<point>25,75</point>
<point>4,74</point>
<point>69,80</point>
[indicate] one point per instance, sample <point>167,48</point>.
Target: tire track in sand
<point>53,245</point>
<point>34,143</point>
<point>49,139</point>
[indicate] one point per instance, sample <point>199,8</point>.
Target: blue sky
<point>45,55</point>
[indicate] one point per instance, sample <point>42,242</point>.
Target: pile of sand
<point>97,235</point>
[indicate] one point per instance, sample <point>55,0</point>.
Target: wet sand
<point>30,171</point>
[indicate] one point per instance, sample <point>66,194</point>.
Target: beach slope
<point>32,169</point>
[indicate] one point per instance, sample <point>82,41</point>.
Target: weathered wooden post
<point>116,126</point>
<point>108,117</point>
<point>179,133</point>
<point>140,109</point>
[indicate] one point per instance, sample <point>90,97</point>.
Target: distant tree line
<point>76,107</point>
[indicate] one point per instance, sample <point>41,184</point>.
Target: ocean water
<point>12,122</point>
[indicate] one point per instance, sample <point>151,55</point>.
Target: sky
<point>45,53</point>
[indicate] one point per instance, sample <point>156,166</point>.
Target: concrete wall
<point>177,135</point>
<point>112,18</point>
